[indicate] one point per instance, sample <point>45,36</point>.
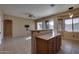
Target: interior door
<point>7,29</point>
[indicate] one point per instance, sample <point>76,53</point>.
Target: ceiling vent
<point>71,8</point>
<point>52,5</point>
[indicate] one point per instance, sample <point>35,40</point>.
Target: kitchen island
<point>48,44</point>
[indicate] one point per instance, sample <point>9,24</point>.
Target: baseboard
<point>19,36</point>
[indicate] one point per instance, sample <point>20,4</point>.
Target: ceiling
<point>38,10</point>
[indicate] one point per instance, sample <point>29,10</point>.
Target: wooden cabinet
<point>48,46</point>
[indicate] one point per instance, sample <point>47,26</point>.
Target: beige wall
<point>18,25</point>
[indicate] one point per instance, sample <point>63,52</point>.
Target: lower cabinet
<point>50,46</point>
<point>71,35</point>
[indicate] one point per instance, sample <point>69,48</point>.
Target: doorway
<point>7,29</point>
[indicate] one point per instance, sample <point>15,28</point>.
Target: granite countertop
<point>47,36</point>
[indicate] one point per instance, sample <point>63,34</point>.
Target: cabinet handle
<point>73,35</point>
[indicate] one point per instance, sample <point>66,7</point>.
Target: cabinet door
<point>76,35</point>
<point>42,46</point>
<point>51,46</point>
<point>58,43</point>
<point>68,35</point>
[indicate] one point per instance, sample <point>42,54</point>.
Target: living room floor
<point>22,45</point>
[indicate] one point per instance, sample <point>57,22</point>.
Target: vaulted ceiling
<point>38,10</point>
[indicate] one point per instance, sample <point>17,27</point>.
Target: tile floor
<point>22,45</point>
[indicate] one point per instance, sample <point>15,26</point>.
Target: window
<point>47,24</point>
<point>51,25</point>
<point>68,25</point>
<point>76,24</point>
<point>39,25</point>
<point>72,25</point>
